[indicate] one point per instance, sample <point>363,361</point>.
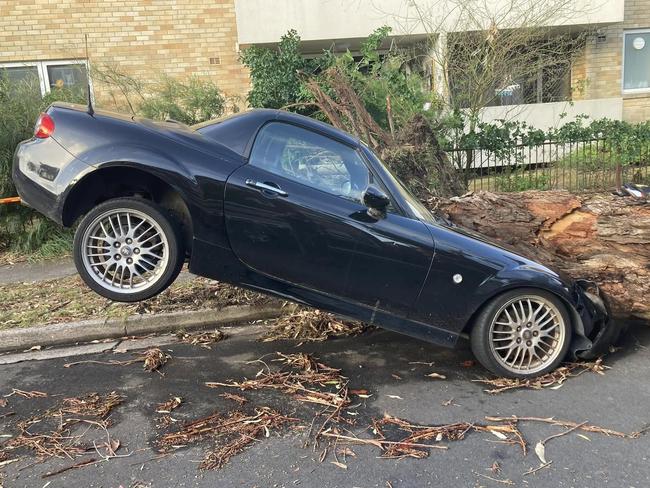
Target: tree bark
<point>599,237</point>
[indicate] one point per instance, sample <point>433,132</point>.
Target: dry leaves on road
<point>202,339</point>
<point>63,429</point>
<point>170,405</point>
<point>311,325</point>
<point>25,394</point>
<point>153,359</point>
<point>231,433</point>
<point>553,380</point>
<point>306,380</point>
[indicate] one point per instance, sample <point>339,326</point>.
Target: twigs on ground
<point>53,433</point>
<point>569,424</point>
<point>540,447</point>
<point>407,446</point>
<point>308,381</point>
<point>202,339</point>
<point>311,325</point>
<point>78,465</point>
<point>235,398</point>
<point>26,394</point>
<point>232,433</point>
<point>92,404</point>
<point>170,405</point>
<point>153,359</point>
<point>553,380</point>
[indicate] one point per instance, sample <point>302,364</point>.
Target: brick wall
<point>636,108</point>
<point>144,39</point>
<point>603,63</point>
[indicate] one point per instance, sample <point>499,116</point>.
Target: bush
<point>276,74</point>
<point>21,229</point>
<point>189,102</point>
<point>519,180</point>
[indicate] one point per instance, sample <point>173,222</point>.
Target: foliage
<point>519,180</point>
<point>276,74</point>
<point>383,79</point>
<point>589,157</point>
<point>189,102</point>
<point>21,229</point>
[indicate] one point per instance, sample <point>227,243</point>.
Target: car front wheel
<point>128,249</point>
<point>522,333</point>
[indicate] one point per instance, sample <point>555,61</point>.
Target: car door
<point>294,213</point>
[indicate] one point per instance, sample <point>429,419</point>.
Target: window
<point>537,72</point>
<point>636,61</point>
<point>311,159</point>
<point>47,75</point>
<point>21,75</point>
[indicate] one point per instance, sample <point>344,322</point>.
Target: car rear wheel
<point>522,333</point>
<point>128,249</point>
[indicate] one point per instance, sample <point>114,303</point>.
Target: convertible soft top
<point>237,131</point>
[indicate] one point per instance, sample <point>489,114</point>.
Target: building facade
<point>144,39</point>
<point>610,77</point>
<point>150,38</point>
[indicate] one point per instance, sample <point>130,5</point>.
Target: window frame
<point>43,76</point>
<point>362,157</point>
<point>631,91</point>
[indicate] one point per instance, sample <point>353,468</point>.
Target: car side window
<point>311,159</point>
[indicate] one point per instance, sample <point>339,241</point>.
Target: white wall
<point>546,115</point>
<point>264,21</point>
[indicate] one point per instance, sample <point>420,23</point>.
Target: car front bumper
<point>595,330</point>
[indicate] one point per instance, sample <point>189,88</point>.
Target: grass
<point>69,299</point>
<point>58,246</point>
<point>559,178</point>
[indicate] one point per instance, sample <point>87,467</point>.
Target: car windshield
<point>415,206</point>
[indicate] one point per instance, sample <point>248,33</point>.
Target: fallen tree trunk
<point>600,237</point>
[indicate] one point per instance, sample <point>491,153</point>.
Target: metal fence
<point>584,165</point>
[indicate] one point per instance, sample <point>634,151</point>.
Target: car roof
<point>237,130</point>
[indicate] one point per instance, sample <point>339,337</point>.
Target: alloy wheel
<point>125,250</point>
<point>527,334</point>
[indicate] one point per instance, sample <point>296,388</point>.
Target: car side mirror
<point>376,201</point>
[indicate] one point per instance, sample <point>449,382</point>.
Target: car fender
<point>589,315</point>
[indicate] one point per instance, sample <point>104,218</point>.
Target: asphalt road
<point>618,400</point>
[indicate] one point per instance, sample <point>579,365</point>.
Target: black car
<point>287,205</point>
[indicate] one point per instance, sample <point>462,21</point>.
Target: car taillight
<point>44,127</point>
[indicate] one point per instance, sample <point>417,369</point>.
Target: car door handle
<point>267,187</point>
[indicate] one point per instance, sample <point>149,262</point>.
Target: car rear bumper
<point>36,196</point>
<point>43,173</point>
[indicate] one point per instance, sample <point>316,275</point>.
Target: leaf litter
<point>62,431</point>
<point>308,380</point>
<point>170,405</point>
<point>311,325</point>
<point>553,380</point>
<point>152,360</point>
<point>232,433</point>
<point>201,339</point>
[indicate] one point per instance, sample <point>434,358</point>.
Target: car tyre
<point>522,333</point>
<point>128,249</point>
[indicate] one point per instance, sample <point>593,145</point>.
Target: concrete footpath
<point>26,272</point>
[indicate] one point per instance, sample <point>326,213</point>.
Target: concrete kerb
<point>91,330</point>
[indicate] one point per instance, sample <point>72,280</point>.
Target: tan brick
<point>145,40</point>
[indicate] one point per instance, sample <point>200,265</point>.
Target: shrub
<point>189,102</point>
<point>21,229</point>
<point>276,73</point>
<point>519,180</point>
